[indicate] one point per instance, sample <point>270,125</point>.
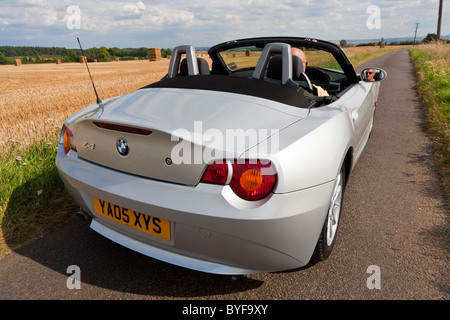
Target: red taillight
<point>68,141</point>
<point>250,180</point>
<point>253,180</point>
<point>217,173</point>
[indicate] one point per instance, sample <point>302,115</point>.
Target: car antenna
<point>85,60</point>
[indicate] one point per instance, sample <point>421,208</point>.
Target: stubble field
<point>36,98</point>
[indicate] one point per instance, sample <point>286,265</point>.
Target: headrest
<point>275,68</point>
<point>203,67</point>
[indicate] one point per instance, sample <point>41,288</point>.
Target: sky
<point>167,23</point>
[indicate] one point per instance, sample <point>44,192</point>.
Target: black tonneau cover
<point>247,86</point>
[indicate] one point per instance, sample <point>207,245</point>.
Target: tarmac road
<point>394,233</point>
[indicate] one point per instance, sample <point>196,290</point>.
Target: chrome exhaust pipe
<point>83,215</point>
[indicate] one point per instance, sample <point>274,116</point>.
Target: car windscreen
<point>320,59</point>
<point>240,59</point>
<point>237,60</point>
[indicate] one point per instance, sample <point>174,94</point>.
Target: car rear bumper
<point>212,230</point>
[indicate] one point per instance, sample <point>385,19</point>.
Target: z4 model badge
<point>86,145</point>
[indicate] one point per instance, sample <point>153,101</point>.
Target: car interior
<point>270,62</point>
<point>241,62</point>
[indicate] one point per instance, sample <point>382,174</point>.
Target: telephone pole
<point>415,34</point>
<point>438,34</point>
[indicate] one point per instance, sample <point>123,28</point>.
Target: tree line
<point>52,54</point>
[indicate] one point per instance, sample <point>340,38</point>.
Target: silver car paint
<point>161,110</point>
<point>209,222</point>
<point>312,151</point>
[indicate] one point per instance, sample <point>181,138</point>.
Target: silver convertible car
<point>235,162</point>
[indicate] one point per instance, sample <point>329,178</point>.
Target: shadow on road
<point>104,263</point>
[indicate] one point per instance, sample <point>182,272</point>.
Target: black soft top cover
<point>246,86</point>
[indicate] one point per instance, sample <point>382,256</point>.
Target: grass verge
<point>432,67</point>
<point>32,196</point>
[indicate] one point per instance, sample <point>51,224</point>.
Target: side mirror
<point>373,74</point>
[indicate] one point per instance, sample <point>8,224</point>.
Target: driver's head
<point>299,53</point>
<point>370,74</point>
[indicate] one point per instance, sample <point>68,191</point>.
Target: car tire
<point>328,234</point>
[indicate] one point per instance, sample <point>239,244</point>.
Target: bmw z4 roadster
<point>233,166</point>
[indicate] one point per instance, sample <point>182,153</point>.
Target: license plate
<point>143,222</point>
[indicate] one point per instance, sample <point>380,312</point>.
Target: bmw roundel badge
<point>122,146</point>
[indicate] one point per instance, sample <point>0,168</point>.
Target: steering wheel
<point>318,77</point>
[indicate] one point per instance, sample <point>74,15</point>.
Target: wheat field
<point>36,98</point>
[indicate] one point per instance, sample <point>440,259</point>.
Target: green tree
<point>142,52</point>
<point>93,53</point>
<point>73,56</point>
<point>112,52</point>
<point>2,58</point>
<point>430,38</point>
<point>104,54</point>
<point>343,43</point>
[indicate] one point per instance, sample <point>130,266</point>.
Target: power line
<point>419,11</point>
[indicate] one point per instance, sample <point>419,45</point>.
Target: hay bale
<point>58,61</point>
<point>117,59</point>
<point>168,57</point>
<point>154,54</point>
<point>95,60</point>
<point>82,59</point>
<point>17,62</point>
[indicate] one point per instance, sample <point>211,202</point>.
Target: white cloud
<point>169,23</point>
<point>31,13</point>
<point>132,10</point>
<point>33,2</point>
